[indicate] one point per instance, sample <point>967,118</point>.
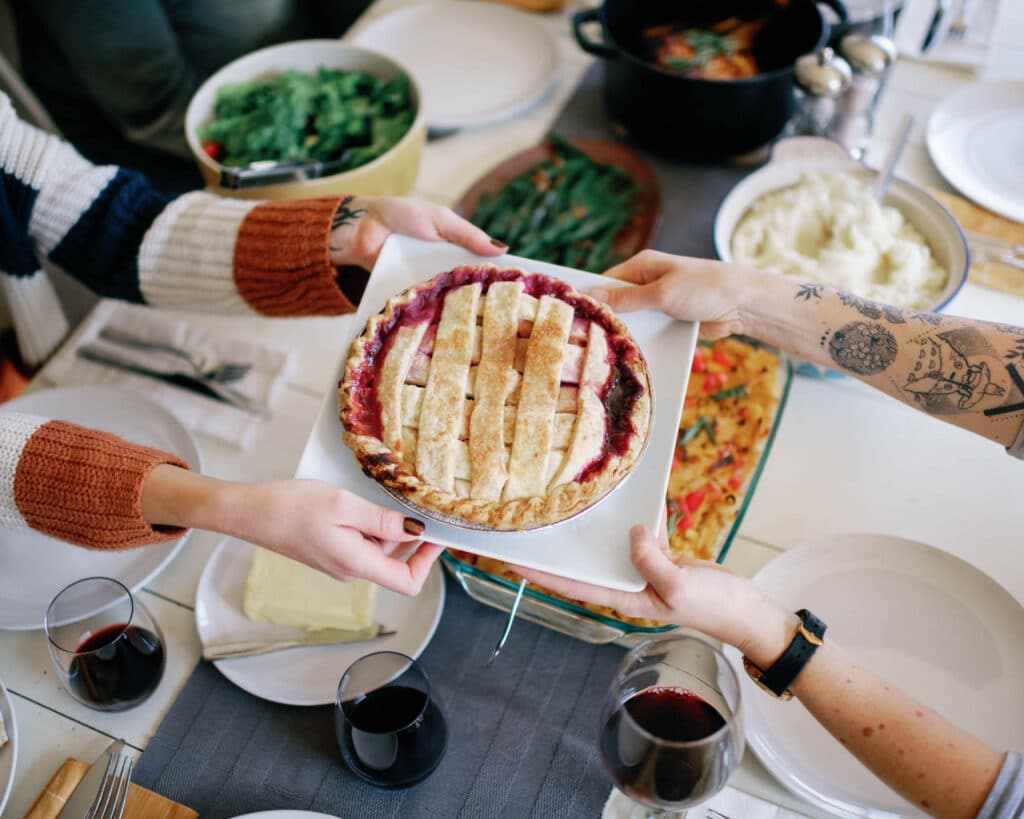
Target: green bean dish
<point>566,210</point>
<point>347,117</point>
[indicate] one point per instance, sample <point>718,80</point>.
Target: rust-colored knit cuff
<point>85,487</point>
<point>282,261</point>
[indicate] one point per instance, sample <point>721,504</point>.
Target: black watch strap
<point>780,676</point>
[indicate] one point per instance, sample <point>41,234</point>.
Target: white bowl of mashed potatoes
<point>809,214</point>
<point>816,220</point>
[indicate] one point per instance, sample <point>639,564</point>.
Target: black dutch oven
<point>686,117</point>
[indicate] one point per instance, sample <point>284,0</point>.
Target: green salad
<point>348,117</point>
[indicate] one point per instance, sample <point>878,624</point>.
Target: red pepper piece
<point>694,499</point>
<point>736,480</point>
<point>214,150</point>
<point>713,382</point>
<point>720,356</point>
<point>699,365</point>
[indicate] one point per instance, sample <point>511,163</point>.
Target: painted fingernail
<point>499,245</point>
<point>413,527</point>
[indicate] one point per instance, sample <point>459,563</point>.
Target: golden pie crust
<point>504,398</point>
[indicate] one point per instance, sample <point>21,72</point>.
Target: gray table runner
<point>522,735</point>
<point>522,739</point>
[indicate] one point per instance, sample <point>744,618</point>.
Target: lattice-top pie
<point>504,398</point>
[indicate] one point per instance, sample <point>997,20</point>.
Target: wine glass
<point>106,647</point>
<point>389,726</point>
<point>672,726</point>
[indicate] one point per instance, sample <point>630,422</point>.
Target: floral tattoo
<point>345,216</point>
<point>863,348</point>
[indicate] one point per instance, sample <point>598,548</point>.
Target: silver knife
<point>936,32</point>
<point>321,637</point>
<point>82,801</point>
<point>204,386</point>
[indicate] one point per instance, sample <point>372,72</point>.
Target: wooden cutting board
<point>141,804</point>
<point>978,220</point>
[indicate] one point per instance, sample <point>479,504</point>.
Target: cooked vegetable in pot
<point>349,116</point>
<point>566,210</point>
<point>721,52</point>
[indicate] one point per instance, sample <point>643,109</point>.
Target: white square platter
<point>594,546</point>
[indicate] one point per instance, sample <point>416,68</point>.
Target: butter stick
<point>281,590</point>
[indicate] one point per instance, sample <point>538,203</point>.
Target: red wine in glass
<point>657,747</point>
<point>393,737</point>
<point>117,666</point>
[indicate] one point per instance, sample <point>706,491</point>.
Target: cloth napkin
<point>728,803</point>
<point>969,52</point>
<point>263,383</point>
<point>141,803</point>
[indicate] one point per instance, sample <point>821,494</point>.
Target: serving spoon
<point>893,158</point>
<point>508,625</point>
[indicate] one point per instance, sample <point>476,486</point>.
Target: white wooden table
<point>845,458</point>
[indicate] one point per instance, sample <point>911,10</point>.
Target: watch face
<point>502,398</point>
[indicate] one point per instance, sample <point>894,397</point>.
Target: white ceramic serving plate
<point>35,567</point>
<point>975,138</point>
<point>476,63</point>
<point>307,675</point>
<point>593,546</point>
<point>924,619</point>
<point>9,752</point>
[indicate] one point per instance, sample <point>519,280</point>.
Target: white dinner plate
<point>976,140</point>
<point>920,617</point>
<point>593,546</point>
<point>9,752</point>
<point>285,814</point>
<point>35,567</point>
<point>307,675</point>
<point>475,63</point>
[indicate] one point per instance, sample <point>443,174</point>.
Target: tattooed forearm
<point>964,371</point>
<point>863,348</point>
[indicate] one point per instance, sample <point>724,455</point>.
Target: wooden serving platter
<point>634,237</point>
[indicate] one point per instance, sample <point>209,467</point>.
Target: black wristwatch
<point>777,679</point>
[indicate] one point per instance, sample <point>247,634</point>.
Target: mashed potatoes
<point>828,228</point>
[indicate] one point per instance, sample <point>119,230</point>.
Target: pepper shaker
<point>821,79</point>
<point>870,57</point>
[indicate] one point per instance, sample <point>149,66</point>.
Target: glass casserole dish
<point>734,383</point>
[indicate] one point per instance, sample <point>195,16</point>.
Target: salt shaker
<point>870,57</point>
<point>821,80</point>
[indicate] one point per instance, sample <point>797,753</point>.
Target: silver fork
<point>113,791</point>
<point>207,366</point>
<point>958,28</point>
